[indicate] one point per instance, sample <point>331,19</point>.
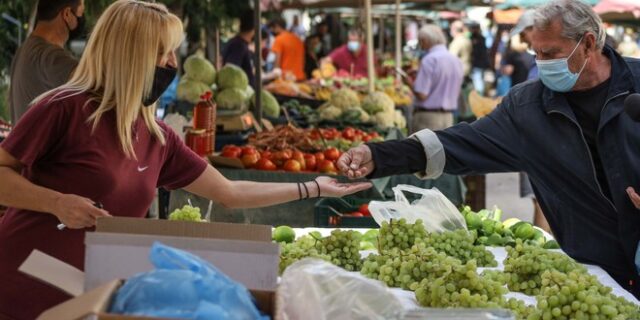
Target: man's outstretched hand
<point>356,163</point>
<point>635,198</point>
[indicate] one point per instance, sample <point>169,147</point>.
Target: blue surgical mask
<point>555,74</point>
<point>353,46</point>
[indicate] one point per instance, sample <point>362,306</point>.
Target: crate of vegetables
<point>343,212</point>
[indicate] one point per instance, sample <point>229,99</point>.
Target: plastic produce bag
<point>186,287</point>
<point>436,211</point>
<point>314,289</point>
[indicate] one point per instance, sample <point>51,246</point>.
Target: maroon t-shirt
<point>56,145</point>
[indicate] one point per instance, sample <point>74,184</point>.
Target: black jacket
<point>535,130</point>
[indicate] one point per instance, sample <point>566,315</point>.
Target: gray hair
<point>577,18</point>
<point>432,34</point>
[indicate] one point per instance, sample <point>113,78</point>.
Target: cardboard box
<point>120,247</point>
<point>94,304</point>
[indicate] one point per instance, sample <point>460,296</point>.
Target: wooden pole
<point>257,86</point>
<point>370,65</point>
<point>398,39</point>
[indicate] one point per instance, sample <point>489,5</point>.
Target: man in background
<point>42,63</point>
<point>479,58</point>
<point>237,50</point>
<point>352,56</point>
<point>438,83</point>
<point>288,48</point>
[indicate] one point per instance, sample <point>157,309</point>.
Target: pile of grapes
<point>398,234</point>
<point>186,213</point>
<point>442,270</point>
<point>304,247</point>
<point>343,247</point>
<point>526,263</point>
<point>459,244</point>
<point>579,295</point>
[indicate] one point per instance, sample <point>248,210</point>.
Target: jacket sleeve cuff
<point>434,151</point>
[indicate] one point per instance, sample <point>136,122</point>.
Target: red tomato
<point>232,153</point>
<point>299,156</point>
<point>249,150</point>
<point>332,154</point>
<point>292,166</point>
<point>310,162</point>
<point>319,157</point>
<point>364,209</point>
<point>266,155</point>
<point>265,164</point>
<point>327,166</point>
<point>349,133</point>
<point>250,160</point>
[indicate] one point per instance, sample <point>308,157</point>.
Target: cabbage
<point>199,69</point>
<point>231,99</point>
<point>190,90</point>
<point>385,119</point>
<point>330,113</point>
<point>231,76</point>
<point>249,92</point>
<point>345,99</point>
<point>270,106</point>
<point>378,102</point>
<point>400,120</point>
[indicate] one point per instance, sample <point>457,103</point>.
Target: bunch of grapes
<point>186,213</point>
<point>304,247</point>
<point>343,247</point>
<point>461,287</point>
<point>406,269</point>
<point>459,244</point>
<point>495,275</point>
<point>526,263</point>
<point>579,295</point>
<point>400,234</point>
<point>521,310</point>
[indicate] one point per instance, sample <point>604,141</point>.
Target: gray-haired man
<point>567,131</point>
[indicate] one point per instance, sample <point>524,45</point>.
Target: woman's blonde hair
<point>118,64</point>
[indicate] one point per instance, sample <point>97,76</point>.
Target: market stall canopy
<point>619,11</point>
<point>535,3</point>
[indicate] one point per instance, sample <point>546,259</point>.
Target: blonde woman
<point>95,140</point>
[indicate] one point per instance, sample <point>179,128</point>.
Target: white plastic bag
<point>314,289</point>
<point>433,208</point>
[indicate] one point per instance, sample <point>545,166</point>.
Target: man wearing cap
<point>524,28</point>
<point>568,131</point>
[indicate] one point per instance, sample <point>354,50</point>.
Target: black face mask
<point>162,78</point>
<point>79,30</point>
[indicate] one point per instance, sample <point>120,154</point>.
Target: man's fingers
<point>635,198</point>
<point>344,161</point>
<point>357,158</point>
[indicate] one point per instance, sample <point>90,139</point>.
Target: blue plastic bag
<point>186,287</point>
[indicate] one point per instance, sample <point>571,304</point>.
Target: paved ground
<point>503,191</point>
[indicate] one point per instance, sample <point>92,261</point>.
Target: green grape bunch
<point>186,213</point>
<point>303,247</point>
<point>461,287</point>
<point>344,249</point>
<point>459,244</point>
<point>526,263</point>
<point>400,234</point>
<point>579,295</point>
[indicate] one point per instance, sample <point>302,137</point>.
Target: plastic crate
<point>327,208</point>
